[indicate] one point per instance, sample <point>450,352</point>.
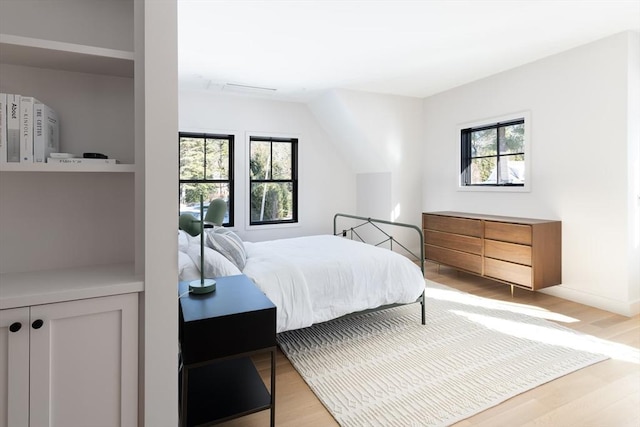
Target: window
<point>206,169</point>
<point>494,155</point>
<point>273,180</point>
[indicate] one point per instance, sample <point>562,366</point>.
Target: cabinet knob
<point>37,324</point>
<point>15,326</point>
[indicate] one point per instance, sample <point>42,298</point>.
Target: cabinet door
<point>84,363</point>
<point>14,367</point>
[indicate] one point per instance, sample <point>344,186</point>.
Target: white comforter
<point>318,278</point>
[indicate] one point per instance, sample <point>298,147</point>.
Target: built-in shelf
<point>56,167</point>
<point>56,55</point>
<point>50,286</point>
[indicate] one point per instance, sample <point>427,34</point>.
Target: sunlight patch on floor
<point>448,294</point>
<point>558,337</point>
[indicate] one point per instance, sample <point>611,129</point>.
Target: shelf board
<point>49,286</point>
<point>56,55</point>
<point>223,390</point>
<point>57,167</point>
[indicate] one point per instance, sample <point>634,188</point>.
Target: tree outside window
<point>494,154</point>
<point>273,181</point>
<point>205,169</point>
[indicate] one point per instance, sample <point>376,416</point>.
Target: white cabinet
<point>72,363</point>
<point>109,68</point>
<point>67,232</point>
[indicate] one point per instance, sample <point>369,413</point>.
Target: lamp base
<point>202,287</point>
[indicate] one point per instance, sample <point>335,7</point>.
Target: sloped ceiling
<point>372,131</point>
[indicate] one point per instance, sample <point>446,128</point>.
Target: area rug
<point>386,369</point>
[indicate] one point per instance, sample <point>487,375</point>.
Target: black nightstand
<point>218,333</point>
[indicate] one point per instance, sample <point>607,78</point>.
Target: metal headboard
<point>353,232</point>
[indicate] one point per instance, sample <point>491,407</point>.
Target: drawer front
<point>468,227</point>
<point>511,252</point>
<point>227,335</point>
<point>503,231</point>
<point>453,241</point>
<point>457,259</point>
<point>507,271</point>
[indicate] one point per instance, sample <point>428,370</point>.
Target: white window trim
<point>247,186</point>
<point>526,115</point>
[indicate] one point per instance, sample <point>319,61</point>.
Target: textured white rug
<point>386,369</point>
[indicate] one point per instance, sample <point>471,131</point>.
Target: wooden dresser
<point>521,252</point>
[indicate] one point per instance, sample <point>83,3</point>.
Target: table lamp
<point>193,226</point>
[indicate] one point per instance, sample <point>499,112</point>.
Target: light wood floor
<point>606,394</point>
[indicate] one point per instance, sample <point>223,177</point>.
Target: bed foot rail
<point>367,221</point>
<point>350,232</point>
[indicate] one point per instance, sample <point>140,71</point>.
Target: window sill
<point>496,189</point>
<point>272,226</point>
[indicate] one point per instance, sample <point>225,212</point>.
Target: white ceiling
<point>412,48</point>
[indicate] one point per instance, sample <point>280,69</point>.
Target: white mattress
<point>318,278</point>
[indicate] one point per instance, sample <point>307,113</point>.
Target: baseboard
<point>624,308</point>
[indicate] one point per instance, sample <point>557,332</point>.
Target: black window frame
<point>294,178</point>
<point>466,157</point>
<point>229,181</point>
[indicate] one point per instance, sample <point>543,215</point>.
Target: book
<point>46,132</point>
<point>3,128</point>
<point>83,161</point>
<point>13,128</point>
<point>26,128</point>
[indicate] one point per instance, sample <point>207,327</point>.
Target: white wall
<point>380,136</point>
<point>156,133</point>
<point>633,165</point>
<point>578,102</point>
<point>377,184</point>
<point>326,181</point>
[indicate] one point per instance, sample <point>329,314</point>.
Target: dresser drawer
<point>507,271</point>
<point>457,259</point>
<point>468,227</point>
<point>511,252</point>
<point>453,241</point>
<point>514,233</point>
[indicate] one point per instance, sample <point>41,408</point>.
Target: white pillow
<point>183,241</point>
<point>215,264</point>
<point>187,269</point>
<point>228,244</point>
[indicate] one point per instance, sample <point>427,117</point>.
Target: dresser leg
<point>511,291</point>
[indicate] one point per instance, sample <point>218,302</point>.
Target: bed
<point>318,278</point>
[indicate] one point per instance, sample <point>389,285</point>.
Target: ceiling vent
<point>238,88</point>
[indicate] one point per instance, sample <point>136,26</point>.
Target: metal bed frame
<point>372,224</point>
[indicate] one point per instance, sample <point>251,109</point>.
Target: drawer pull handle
<point>15,326</point>
<point>37,324</point>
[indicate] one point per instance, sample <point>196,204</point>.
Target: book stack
<point>29,129</point>
<point>81,161</point>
